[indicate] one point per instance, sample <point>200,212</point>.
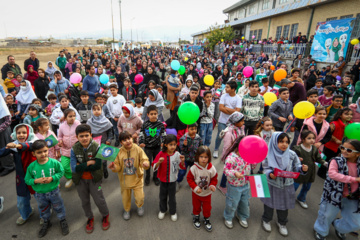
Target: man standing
<point>91,82</point>
<point>61,62</point>
<point>297,39</point>
<point>96,59</point>
<point>10,66</point>
<point>32,61</point>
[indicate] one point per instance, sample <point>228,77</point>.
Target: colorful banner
<point>331,40</point>
<point>285,174</point>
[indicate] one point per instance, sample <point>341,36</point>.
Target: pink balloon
<point>253,149</point>
<point>139,78</point>
<point>248,71</point>
<point>75,78</point>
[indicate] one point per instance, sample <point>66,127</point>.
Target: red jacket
<point>338,133</point>
<point>169,168</point>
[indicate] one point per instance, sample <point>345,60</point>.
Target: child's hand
<point>57,154</point>
<point>185,142</point>
<point>146,164</point>
<point>305,168</point>
<point>116,119</point>
<point>91,162</point>
<point>326,164</point>
<point>199,190</point>
<point>161,160</point>
<point>292,129</point>
<point>142,145</point>
<point>107,143</point>
<point>182,158</point>
<point>62,119</point>
<point>239,175</point>
<point>135,135</point>
<point>212,188</point>
<point>112,166</point>
<point>272,176</point>
<point>290,118</point>
<point>301,159</point>
<point>60,144</point>
<point>317,145</point>
<point>17,113</point>
<point>282,119</point>
<point>48,180</point>
<point>12,145</point>
<point>39,180</point>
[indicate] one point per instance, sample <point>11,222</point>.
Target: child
<point>265,86</point>
<point>308,154</point>
<point>318,87</point>
<point>34,114</point>
<point>42,131</point>
<point>84,107</point>
<point>139,109</point>
<point>186,89</point>
<point>312,96</point>
<point>216,94</point>
<point>264,129</point>
<point>160,89</point>
<point>130,164</point>
<point>57,115</point>
<point>174,123</point>
<point>325,99</point>
<point>52,99</point>
<point>281,110</point>
<point>10,82</point>
<point>67,138</point>
<point>154,99</point>
<point>44,176</point>
<point>206,119</point>
<point>115,104</point>
<point>202,179</point>
<point>166,165</point>
<point>128,91</point>
<point>130,122</point>
<point>101,126</point>
<point>174,81</point>
<point>87,174</point>
<point>336,104</point>
<point>322,75</point>
<point>24,97</point>
<point>20,149</point>
<point>342,182</point>
<point>260,76</point>
<point>244,89</point>
<point>151,138</point>
<point>346,90</point>
<point>281,189</point>
<point>12,110</point>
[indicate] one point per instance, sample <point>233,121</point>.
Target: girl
<point>67,138</point>
<point>238,189</point>
<point>216,93</point>
<point>281,190</point>
<point>186,89</point>
<point>34,114</point>
<point>202,179</point>
<point>130,122</point>
<point>264,129</point>
<point>244,89</point>
<point>167,171</point>
<point>24,97</point>
<point>42,131</point>
<point>308,154</point>
<point>31,74</point>
<point>341,193</point>
<point>154,99</point>
<point>50,70</point>
<point>206,120</point>
<point>57,115</point>
<point>12,107</point>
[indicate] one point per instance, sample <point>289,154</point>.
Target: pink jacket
<point>67,134</point>
<point>310,123</point>
<point>356,115</point>
<point>53,149</point>
<point>132,126</point>
<point>230,136</point>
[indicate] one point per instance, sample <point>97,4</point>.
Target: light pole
<point>112,20</point>
<point>121,37</point>
<point>131,28</point>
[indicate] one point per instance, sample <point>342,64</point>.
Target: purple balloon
<point>171,131</point>
<point>338,78</point>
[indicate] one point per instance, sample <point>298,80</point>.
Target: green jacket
<point>61,62</point>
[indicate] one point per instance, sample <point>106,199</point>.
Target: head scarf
<point>99,124</point>
<point>4,110</point>
<point>159,101</point>
<point>336,49</point>
<point>130,109</point>
<point>30,138</point>
<point>32,76</point>
<point>27,95</point>
<point>37,107</point>
<point>51,70</point>
<point>234,118</point>
<point>358,105</point>
<point>277,158</point>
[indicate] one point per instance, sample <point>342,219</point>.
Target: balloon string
<point>290,124</point>
<point>243,171</point>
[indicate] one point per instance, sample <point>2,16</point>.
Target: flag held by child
<point>259,186</point>
<point>51,141</point>
<point>107,152</point>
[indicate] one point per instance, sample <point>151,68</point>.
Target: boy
<point>87,173</point>
<point>325,99</point>
<point>336,102</point>
<point>323,73</point>
<point>127,91</point>
<point>265,86</point>
<point>151,137</point>
<point>193,96</point>
<point>346,89</point>
<point>44,175</point>
<point>139,109</point>
<point>281,110</point>
<point>52,99</point>
<point>330,79</point>
<point>318,87</point>
<point>189,143</point>
<point>84,107</point>
<point>206,119</point>
<point>99,99</point>
<point>216,93</point>
<point>312,96</point>
<point>115,104</point>
<point>10,80</point>
<point>252,107</point>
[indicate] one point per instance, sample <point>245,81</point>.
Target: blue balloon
<point>175,65</point>
<point>171,131</point>
<point>104,78</point>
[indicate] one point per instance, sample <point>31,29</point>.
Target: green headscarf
<point>336,49</point>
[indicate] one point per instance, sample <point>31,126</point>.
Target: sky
<point>148,19</point>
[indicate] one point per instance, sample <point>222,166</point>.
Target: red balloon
<point>139,78</point>
<point>253,149</point>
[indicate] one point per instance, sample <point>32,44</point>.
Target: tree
<point>217,34</point>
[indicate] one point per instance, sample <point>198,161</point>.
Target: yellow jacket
<point>8,83</point>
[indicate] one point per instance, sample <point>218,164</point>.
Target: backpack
<point>73,96</point>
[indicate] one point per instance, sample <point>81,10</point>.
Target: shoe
<point>64,227</point>
<point>69,183</point>
<point>1,204</point>
<point>319,237</point>
<point>341,236</point>
<point>174,217</point>
<point>207,225</point>
<point>6,172</point>
<point>106,173</point>
<point>41,221</point>
<point>90,225</point>
<point>44,229</point>
<point>282,230</point>
<point>177,186</point>
<point>21,221</point>
<point>117,143</point>
<point>156,181</point>
<point>216,154</point>
<point>105,223</point>
<point>266,226</point>
<point>302,204</point>
<point>196,222</point>
<point>126,215</point>
<point>161,215</point>
<point>228,224</point>
<point>140,211</point>
<point>222,190</point>
<point>243,223</point>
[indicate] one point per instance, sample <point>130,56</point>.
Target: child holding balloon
<point>264,129</point>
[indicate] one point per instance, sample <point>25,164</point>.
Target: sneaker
<point>126,215</point>
<point>156,181</point>
<point>243,223</point>
<point>302,204</point>
<point>266,226</point>
<point>222,190</point>
<point>228,224</point>
<point>341,236</point>
<point>64,227</point>
<point>21,221</point>
<point>44,229</point>
<point>69,183</point>
<point>319,237</point>
<point>196,222</point>
<point>282,230</point>
<point>161,215</point>
<point>216,154</point>
<point>177,186</point>
<point>174,217</point>
<point>90,225</point>
<point>140,211</point>
<point>1,204</point>
<point>41,221</point>
<point>105,223</point>
<point>207,225</point>
<point>106,173</point>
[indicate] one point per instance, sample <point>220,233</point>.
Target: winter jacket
<point>7,67</point>
<point>128,93</point>
<point>319,136</point>
<point>29,119</point>
<point>203,178</point>
<point>34,63</point>
<point>168,170</point>
<point>53,149</point>
<point>229,135</point>
<point>132,125</point>
<point>152,134</point>
<point>59,86</point>
<point>190,149</point>
<point>41,86</point>
<point>84,111</point>
<point>280,108</point>
<point>57,113</point>
<point>337,133</point>
<point>329,80</point>
<point>234,163</point>
<point>66,133</point>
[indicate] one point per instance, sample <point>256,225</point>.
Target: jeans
<point>23,204</point>
<point>304,190</point>
<point>116,131</point>
<point>46,200</point>
<point>217,111</point>
<point>221,126</point>
<point>223,181</point>
<point>182,172</point>
<point>237,200</point>
<point>350,221</point>
<point>206,130</point>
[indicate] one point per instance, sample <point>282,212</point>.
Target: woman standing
<point>41,86</point>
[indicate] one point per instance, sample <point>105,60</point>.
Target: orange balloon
<point>279,75</point>
<point>272,67</point>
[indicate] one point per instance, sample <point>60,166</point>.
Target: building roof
<point>236,5</point>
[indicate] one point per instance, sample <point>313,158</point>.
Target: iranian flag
<point>259,186</point>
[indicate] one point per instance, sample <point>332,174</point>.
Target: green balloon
<point>352,131</point>
<point>188,113</point>
<point>181,70</point>
<point>241,46</point>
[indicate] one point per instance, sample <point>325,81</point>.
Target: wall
<point>261,24</point>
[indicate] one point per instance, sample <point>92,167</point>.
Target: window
<point>356,29</point>
<point>266,4</point>
<point>286,31</point>
<point>278,32</point>
<point>330,19</point>
<point>294,29</point>
<point>252,9</point>
<point>346,16</point>
<point>255,33</point>
<point>259,34</point>
<point>283,1</point>
<point>251,34</point>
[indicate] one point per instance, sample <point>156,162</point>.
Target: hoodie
<point>203,178</point>
<point>132,124</point>
<point>190,149</point>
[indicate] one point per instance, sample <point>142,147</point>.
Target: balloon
<point>304,109</point>
<point>75,78</point>
<point>188,113</point>
<point>242,37</point>
<point>280,74</point>
<point>235,64</point>
<point>269,98</point>
<point>241,46</point>
<point>175,65</point>
<point>104,78</point>
<point>260,41</point>
<point>171,131</point>
<point>222,40</point>
<point>138,78</point>
<point>338,78</point>
<point>182,70</point>
<point>248,71</point>
<point>352,131</point>
<point>354,41</point>
<point>253,36</point>
<point>246,49</point>
<point>272,67</point>
<point>186,59</point>
<point>209,80</point>
<point>198,66</point>
<point>253,149</point>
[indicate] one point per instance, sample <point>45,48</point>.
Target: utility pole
<point>131,28</point>
<point>112,20</point>
<point>121,36</point>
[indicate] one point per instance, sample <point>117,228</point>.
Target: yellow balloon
<point>304,109</point>
<point>186,59</point>
<point>222,40</point>
<point>354,41</point>
<point>269,98</point>
<point>243,38</point>
<point>209,80</point>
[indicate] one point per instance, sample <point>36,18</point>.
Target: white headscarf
<point>99,124</point>
<point>130,108</point>
<point>27,95</point>
<point>159,101</point>
<point>4,110</point>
